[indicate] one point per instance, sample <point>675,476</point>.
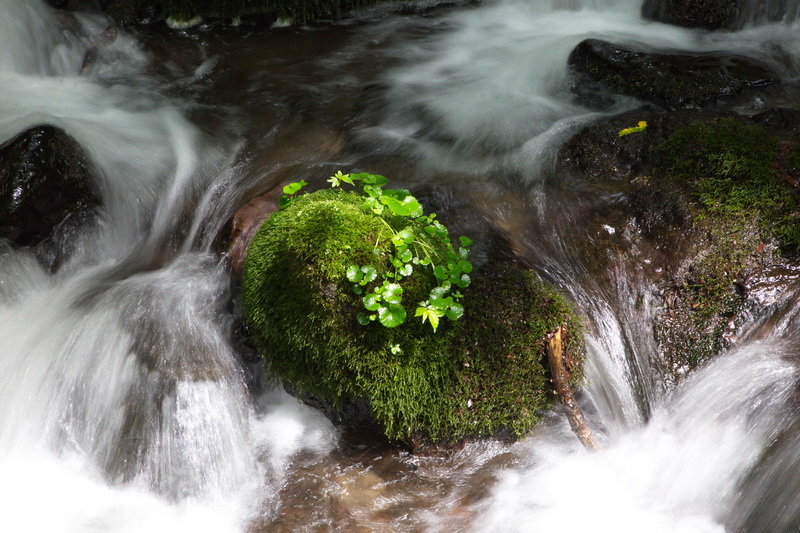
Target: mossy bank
<point>481,375</point>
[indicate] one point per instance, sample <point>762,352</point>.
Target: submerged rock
<point>46,186</point>
<point>670,81</point>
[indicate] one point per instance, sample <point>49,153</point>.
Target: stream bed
<point>124,405</point>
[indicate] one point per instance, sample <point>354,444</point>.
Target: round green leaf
<point>369,273</point>
<point>354,274</point>
<point>371,302</point>
<point>392,315</point>
<point>392,293</point>
<point>455,311</point>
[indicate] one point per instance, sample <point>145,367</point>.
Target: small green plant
<point>383,295</point>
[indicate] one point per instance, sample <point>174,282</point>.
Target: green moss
<point>478,376</point>
<point>727,174</point>
<point>728,168</point>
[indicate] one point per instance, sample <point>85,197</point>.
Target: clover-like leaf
<point>455,311</point>
<point>369,273</point>
<point>292,188</point>
<point>404,254</point>
<point>404,236</point>
<point>362,319</point>
<point>406,270</point>
<point>354,274</point>
<point>392,315</point>
<point>465,241</point>
<point>392,293</point>
<point>371,301</point>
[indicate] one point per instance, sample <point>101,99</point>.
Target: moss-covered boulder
<point>715,200</point>
<point>481,375</point>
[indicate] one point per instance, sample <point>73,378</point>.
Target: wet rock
<point>244,224</point>
<point>670,81</point>
<point>706,14</point>
<point>303,312</point>
<point>104,39</point>
<point>127,13</point>
<point>779,118</point>
<point>45,186</point>
<point>705,257</point>
<point>718,14</point>
<point>491,244</point>
<point>600,153</point>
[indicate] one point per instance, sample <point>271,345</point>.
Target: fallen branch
<point>560,377</point>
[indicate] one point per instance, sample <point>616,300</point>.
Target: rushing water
<point>123,406</point>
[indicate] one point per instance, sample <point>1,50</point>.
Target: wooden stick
<point>560,377</point>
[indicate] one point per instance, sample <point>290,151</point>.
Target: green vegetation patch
<point>481,375</point>
<point>730,171</point>
<point>730,175</point>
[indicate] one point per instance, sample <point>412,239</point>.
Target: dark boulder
<point>58,4</point>
<point>711,200</point>
<point>45,186</point>
<point>718,14</point>
<point>600,153</point>
<point>706,14</point>
<point>670,81</point>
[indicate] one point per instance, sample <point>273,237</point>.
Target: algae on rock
<point>482,375</point>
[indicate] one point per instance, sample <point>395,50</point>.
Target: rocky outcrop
<point>670,81</point>
<point>706,14</point>
<point>712,200</point>
<point>718,14</point>
<point>45,186</point>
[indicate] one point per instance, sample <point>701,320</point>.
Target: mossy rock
<point>734,180</point>
<point>715,202</point>
<point>482,375</point>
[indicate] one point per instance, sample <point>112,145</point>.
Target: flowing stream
<point>123,404</point>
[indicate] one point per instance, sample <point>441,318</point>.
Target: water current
<point>123,405</point>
